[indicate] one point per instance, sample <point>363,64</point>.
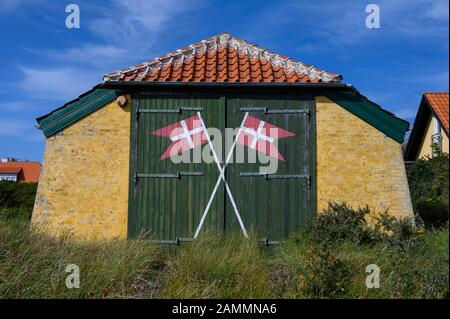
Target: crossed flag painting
<point>192,132</point>
<point>254,133</point>
<point>185,135</point>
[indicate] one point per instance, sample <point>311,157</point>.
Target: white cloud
<point>94,54</point>
<point>10,5</point>
<point>14,106</point>
<point>137,22</point>
<point>125,30</point>
<point>344,22</point>
<point>11,127</point>
<point>63,83</point>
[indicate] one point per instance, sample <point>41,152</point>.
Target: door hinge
<point>176,175</point>
<point>273,176</point>
<point>177,110</point>
<point>268,242</point>
<point>266,110</point>
<point>177,241</point>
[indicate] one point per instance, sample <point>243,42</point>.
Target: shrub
<point>428,180</point>
<point>339,223</point>
<point>15,213</point>
<point>323,274</point>
<point>433,212</point>
<point>397,231</point>
<point>17,195</point>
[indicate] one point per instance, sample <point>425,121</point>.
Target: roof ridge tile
<point>225,53</point>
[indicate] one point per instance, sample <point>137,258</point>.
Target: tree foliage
<point>428,184</point>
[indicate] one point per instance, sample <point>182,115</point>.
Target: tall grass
<point>224,266</point>
<point>218,266</point>
<point>33,265</point>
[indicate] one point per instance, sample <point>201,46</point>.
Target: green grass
<point>217,266</point>
<point>33,266</point>
<point>421,272</point>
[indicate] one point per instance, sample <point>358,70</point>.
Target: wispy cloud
<point>341,22</point>
<point>11,5</point>
<point>125,28</point>
<point>136,22</point>
<point>56,83</point>
<point>97,55</point>
<point>14,106</point>
<point>13,127</point>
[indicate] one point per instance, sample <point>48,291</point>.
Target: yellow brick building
<point>97,180</point>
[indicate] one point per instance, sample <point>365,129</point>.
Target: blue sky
<point>44,64</point>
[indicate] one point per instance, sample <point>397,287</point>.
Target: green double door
<point>168,197</point>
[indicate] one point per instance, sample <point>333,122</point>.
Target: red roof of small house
<point>223,58</point>
<point>30,171</point>
<point>438,101</point>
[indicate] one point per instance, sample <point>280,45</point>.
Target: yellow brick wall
<point>83,187</point>
<point>358,164</point>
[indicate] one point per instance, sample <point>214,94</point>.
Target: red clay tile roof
<point>30,170</point>
<point>223,58</point>
<point>439,102</point>
<point>9,170</point>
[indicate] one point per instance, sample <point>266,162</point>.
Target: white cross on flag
<point>185,135</point>
<point>260,136</point>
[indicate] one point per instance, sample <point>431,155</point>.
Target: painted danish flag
<point>185,135</point>
<point>260,136</point>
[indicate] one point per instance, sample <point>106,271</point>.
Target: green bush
<point>433,212</point>
<point>323,274</point>
<point>15,213</point>
<point>429,186</point>
<point>17,195</point>
<point>341,223</point>
<point>323,261</point>
<point>301,269</point>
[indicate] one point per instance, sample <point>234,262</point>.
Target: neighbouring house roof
<point>10,170</point>
<point>227,62</point>
<point>223,58</point>
<point>29,171</point>
<point>438,101</point>
<point>431,104</point>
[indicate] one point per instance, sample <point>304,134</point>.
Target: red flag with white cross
<point>185,135</point>
<point>260,136</point>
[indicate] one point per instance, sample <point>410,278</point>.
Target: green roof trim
<point>348,98</point>
<point>71,112</point>
<point>371,113</point>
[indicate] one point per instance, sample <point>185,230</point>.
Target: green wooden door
<point>275,197</point>
<point>168,199</point>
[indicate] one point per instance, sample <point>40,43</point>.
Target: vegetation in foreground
<point>326,260</point>
<point>429,187</point>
